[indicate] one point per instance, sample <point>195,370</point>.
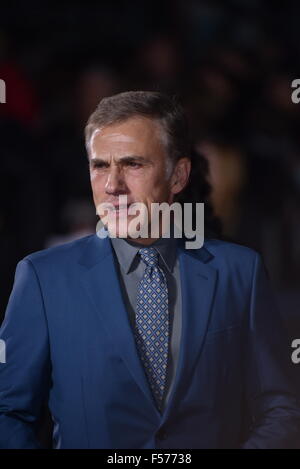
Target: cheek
<point>138,185</point>
<point>148,182</point>
<point>98,186</point>
<point>144,192</point>
<point>154,191</point>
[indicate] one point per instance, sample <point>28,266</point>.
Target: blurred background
<point>231,63</point>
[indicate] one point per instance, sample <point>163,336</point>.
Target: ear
<point>180,176</point>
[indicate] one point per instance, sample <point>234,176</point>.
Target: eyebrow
<point>123,159</point>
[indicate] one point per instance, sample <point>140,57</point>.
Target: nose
<point>115,183</point>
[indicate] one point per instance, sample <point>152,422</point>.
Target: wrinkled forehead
<point>137,134</point>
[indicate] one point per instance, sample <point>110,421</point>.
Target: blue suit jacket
<point>69,342</point>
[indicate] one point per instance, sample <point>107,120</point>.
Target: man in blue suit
<point>143,343</point>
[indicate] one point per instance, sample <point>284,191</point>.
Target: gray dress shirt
<point>131,268</point>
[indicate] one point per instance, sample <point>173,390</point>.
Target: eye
<point>133,164</point>
<point>99,165</point>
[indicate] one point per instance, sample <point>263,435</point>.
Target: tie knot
<point>149,256</point>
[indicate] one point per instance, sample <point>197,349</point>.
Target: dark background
<point>232,64</point>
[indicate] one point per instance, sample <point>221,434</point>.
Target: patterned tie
<point>152,323</point>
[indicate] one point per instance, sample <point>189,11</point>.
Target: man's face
<point>130,158</point>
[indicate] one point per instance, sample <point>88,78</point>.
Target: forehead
<point>138,134</point>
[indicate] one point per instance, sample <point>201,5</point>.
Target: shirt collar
<point>126,252</point>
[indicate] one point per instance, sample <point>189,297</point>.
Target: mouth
<point>118,208</point>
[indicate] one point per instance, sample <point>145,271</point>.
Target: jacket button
<point>161,434</point>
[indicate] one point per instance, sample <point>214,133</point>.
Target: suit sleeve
<point>25,374</point>
<point>273,404</point>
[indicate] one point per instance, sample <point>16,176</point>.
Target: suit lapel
<point>198,282</point>
<point>101,282</point>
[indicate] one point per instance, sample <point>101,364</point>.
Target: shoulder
<point>232,257</point>
<point>62,255</point>
<point>225,249</point>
